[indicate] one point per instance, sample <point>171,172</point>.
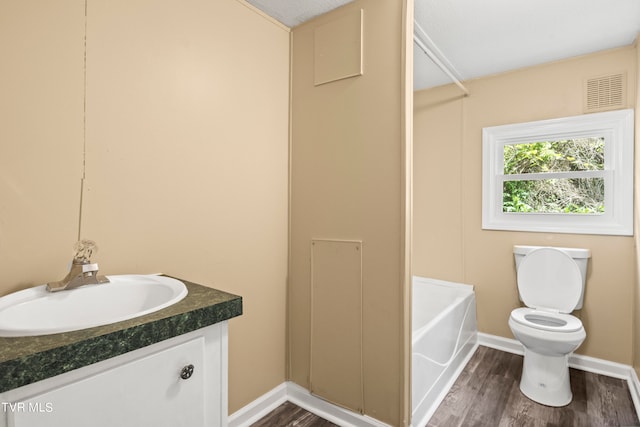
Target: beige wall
<point>449,242</point>
<point>186,154</point>
<point>41,105</point>
<point>347,183</point>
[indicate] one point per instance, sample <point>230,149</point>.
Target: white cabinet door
<point>148,391</point>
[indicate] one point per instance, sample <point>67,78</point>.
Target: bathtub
<point>444,337</point>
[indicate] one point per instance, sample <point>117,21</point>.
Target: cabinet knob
<point>186,372</point>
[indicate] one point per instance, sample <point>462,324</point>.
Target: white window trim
<point>615,126</point>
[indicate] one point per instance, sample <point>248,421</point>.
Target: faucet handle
<point>90,268</point>
<point>83,249</point>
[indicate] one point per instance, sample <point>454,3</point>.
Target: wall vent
<point>605,92</point>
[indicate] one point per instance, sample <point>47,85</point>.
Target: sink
<point>35,311</point>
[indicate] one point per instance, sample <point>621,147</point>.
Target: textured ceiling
<point>295,12</point>
<point>479,38</point>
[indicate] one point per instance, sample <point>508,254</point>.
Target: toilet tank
<point>580,256</point>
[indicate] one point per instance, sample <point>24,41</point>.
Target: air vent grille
<point>605,92</point>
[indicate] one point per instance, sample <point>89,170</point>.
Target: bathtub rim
<point>463,291</point>
<point>439,282</point>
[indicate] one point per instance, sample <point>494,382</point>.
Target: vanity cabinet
<point>181,381</point>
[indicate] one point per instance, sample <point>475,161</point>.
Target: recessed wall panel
<point>338,48</point>
<point>336,322</point>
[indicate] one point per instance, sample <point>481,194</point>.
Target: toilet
<point>551,283</point>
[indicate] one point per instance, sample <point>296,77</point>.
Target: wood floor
<point>289,415</point>
<point>487,394</point>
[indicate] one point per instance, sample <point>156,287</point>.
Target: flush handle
<point>186,372</point>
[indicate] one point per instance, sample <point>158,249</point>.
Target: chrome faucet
<point>83,271</point>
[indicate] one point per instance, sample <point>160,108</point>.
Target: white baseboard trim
<point>577,361</point>
<point>260,407</point>
<point>336,414</point>
<point>289,391</point>
<point>500,343</point>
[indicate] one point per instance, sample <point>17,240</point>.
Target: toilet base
<point>545,379</point>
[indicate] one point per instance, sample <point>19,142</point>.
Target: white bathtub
<point>445,335</point>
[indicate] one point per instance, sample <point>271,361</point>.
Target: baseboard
<point>260,407</point>
<point>337,415</point>
<point>577,361</point>
<point>500,343</point>
<point>600,366</point>
<point>298,395</point>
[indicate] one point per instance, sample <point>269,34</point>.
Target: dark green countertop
<point>25,360</point>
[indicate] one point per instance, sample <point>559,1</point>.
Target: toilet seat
<point>546,321</point>
<point>549,279</point>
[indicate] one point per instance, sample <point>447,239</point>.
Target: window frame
<point>617,127</point>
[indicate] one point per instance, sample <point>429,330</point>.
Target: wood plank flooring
<point>487,394</point>
<point>289,415</point>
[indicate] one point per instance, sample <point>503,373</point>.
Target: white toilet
<point>551,284</point>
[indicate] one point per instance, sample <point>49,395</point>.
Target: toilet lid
<point>549,279</point>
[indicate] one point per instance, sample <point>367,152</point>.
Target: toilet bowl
<point>551,284</point>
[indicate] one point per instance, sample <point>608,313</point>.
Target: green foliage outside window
<point>557,195</point>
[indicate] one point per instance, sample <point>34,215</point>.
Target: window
<point>567,175</point>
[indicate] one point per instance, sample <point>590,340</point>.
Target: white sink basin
<point>35,311</point>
